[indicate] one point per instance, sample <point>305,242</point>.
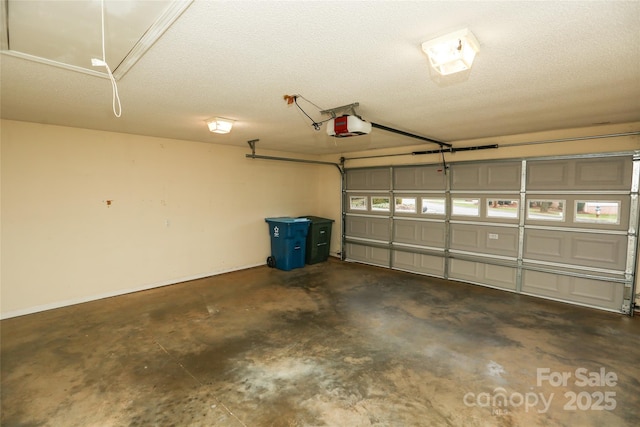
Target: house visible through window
<point>599,212</point>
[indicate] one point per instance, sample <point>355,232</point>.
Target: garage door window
<point>546,210</point>
<point>380,204</point>
<point>358,203</point>
<point>433,206</point>
<point>597,211</point>
<point>502,208</point>
<point>465,207</point>
<point>405,205</point>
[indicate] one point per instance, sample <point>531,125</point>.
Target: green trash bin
<point>318,239</point>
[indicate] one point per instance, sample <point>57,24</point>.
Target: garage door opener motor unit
<point>347,125</point>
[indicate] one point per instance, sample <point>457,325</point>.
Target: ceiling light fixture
<point>220,125</point>
<point>453,52</point>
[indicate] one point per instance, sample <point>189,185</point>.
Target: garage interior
<point>484,251</point>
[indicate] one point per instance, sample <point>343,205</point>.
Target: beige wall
<point>179,210</point>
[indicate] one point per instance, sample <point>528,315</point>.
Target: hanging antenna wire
<point>300,96</point>
<point>103,63</point>
<point>316,125</point>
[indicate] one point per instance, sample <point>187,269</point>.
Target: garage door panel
<point>483,273</point>
<point>369,179</point>
<point>356,227</point>
<point>462,269</point>
<point>485,239</point>
<point>465,177</point>
<point>548,175</point>
<point>406,232</point>
<point>543,283</point>
<point>504,176</point>
<point>367,254</point>
<point>367,228</point>
<point>542,245</point>
<point>503,242</point>
<point>380,229</point>
<point>486,176</point>
<point>603,174</point>
<point>380,256</point>
<point>605,251</point>
<point>502,275</point>
<point>592,250</point>
<point>580,174</point>
<point>357,179</point>
<point>597,293</point>
<point>356,252</point>
<point>595,290</point>
<point>465,238</point>
<point>422,233</point>
<point>419,263</point>
<point>433,234</point>
<point>429,178</point>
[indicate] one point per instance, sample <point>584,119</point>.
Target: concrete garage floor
<point>333,344</point>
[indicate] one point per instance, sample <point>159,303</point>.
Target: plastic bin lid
<point>317,219</point>
<point>286,219</point>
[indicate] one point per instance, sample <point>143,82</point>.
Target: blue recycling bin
<point>288,242</point>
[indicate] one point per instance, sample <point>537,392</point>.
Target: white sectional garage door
<point>558,228</point>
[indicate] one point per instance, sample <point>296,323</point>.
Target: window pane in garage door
<point>381,203</point>
<point>546,209</point>
<point>597,211</point>
<point>465,207</point>
<point>500,208</point>
<point>433,206</point>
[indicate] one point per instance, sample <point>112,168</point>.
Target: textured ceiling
<point>541,66</point>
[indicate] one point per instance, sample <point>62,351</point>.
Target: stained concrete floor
<point>333,344</point>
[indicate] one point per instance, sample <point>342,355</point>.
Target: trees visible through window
<point>406,204</point>
<point>546,210</point>
<point>358,203</point>
<point>502,208</point>
<point>380,204</point>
